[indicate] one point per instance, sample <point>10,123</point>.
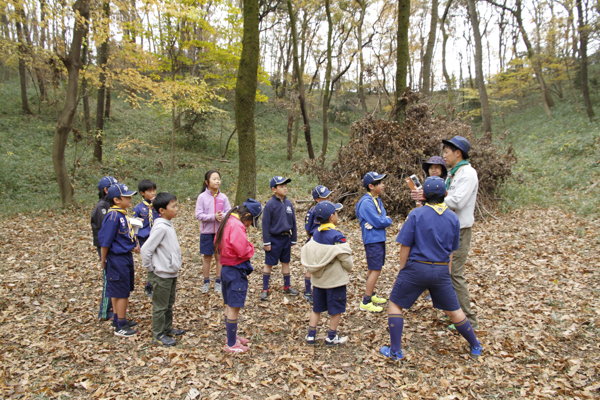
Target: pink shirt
<point>235,247</point>
<point>207,207</point>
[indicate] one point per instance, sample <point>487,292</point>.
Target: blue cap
<point>326,209</point>
<point>372,177</point>
<point>255,209</point>
<point>321,192</point>
<point>434,185</point>
<point>107,181</point>
<point>279,180</point>
<point>460,142</point>
<point>118,190</point>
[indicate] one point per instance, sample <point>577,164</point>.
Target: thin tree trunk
<point>108,103</point>
<point>328,82</point>
<point>102,61</point>
<point>290,124</point>
<point>583,69</point>
<point>22,67</point>
<point>173,135</point>
<point>361,64</point>
<point>430,46</point>
<point>402,59</point>
<point>445,37</point>
<point>84,89</point>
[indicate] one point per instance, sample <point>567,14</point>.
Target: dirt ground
<point>533,276</point>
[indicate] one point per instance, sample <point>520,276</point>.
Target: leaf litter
<point>533,276</point>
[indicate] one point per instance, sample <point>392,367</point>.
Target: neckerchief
<point>235,215</point>
<point>150,213</point>
<point>326,227</point>
<point>129,228</point>
<point>438,208</point>
<point>452,172</point>
<point>375,201</point>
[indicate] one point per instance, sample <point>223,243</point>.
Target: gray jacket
<point>161,253</point>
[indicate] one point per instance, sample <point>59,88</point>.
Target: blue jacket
<point>278,218</point>
<point>310,222</point>
<point>367,212</point>
<point>116,232</point>
<point>143,210</point>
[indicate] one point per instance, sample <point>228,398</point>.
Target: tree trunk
<point>173,135</point>
<point>445,37</point>
<point>290,124</point>
<point>245,95</point>
<point>483,97</point>
<point>22,67</point>
<point>302,96</point>
<point>361,64</point>
<point>84,89</point>
<point>430,46</point>
<point>39,76</point>
<point>102,60</point>
<point>402,59</point>
<point>65,121</point>
<point>583,69</point>
<point>328,82</point>
<point>108,103</point>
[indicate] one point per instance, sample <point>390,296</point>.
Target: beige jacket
<point>328,264</point>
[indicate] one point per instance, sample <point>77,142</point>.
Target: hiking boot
<point>476,351</point>
<point>336,340</point>
<point>218,287</point>
<point>291,291</point>
<point>125,331</point>
<point>174,332</point>
<point>164,340</point>
<point>149,289</point>
<point>206,287</point>
<point>387,352</point>
<point>308,297</point>
<point>370,307</point>
<point>310,340</point>
<point>264,295</point>
<point>377,300</point>
<point>236,348</point>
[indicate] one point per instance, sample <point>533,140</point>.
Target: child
<point>211,206</point>
<point>161,256</point>
<point>320,193</point>
<point>373,221</point>
<point>279,235</point>
<point>146,213</point>
<point>105,312</point>
<point>429,237</point>
<point>236,251</point>
<point>117,240</point>
<point>436,166</point>
<point>329,259</point>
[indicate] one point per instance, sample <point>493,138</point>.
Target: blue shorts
<point>119,275</point>
<point>207,244</point>
<point>375,253</point>
<point>281,250</point>
<point>235,284</point>
<point>142,240</point>
<point>331,300</point>
<point>415,277</point>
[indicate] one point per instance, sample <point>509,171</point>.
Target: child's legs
<point>334,321</point>
<point>169,312</point>
<point>233,312</point>
<point>160,302</point>
<point>314,319</point>
<point>218,265</point>
<point>372,277</point>
<point>456,316</point>
<point>206,261</point>
<point>120,307</point>
<point>285,268</point>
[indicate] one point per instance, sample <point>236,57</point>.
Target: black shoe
<point>125,331</point>
<point>291,291</point>
<point>130,323</point>
<point>264,295</point>
<point>308,297</point>
<point>164,340</point>
<point>149,290</point>
<point>174,332</point>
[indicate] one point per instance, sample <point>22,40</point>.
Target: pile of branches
<point>398,150</point>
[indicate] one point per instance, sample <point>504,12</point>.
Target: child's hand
<point>219,216</point>
<point>140,219</point>
<point>368,226</point>
<point>137,249</point>
<point>417,194</point>
<point>268,248</point>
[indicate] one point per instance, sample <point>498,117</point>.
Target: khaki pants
<point>458,275</point>
<point>163,298</point>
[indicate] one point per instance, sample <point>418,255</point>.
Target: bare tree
<point>430,46</point>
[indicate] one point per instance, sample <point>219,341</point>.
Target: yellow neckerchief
<point>439,208</point>
<point>235,215</point>
<point>150,213</point>
<point>374,197</point>
<point>326,227</point>
<point>130,229</point>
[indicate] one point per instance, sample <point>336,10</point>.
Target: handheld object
<point>413,182</point>
<point>136,224</point>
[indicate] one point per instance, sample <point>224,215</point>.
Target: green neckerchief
<point>439,208</point>
<point>452,172</point>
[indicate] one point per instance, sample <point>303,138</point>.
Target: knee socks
<point>231,325</point>
<point>307,287</point>
<point>121,322</point>
<point>366,299</point>
<point>266,278</point>
<point>312,331</point>
<point>286,281</point>
<point>218,280</point>
<point>466,330</point>
<point>331,334</point>
<point>207,280</point>
<point>396,325</point>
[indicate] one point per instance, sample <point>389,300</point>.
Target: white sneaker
<point>336,340</point>
<point>206,287</point>
<point>218,287</point>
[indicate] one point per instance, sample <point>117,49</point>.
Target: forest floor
<point>533,274</point>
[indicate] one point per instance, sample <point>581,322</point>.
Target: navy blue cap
<point>255,209</point>
<point>118,190</point>
<point>372,177</point>
<point>279,180</point>
<point>460,142</point>
<point>107,181</point>
<point>321,192</point>
<point>325,209</point>
<point>434,185</point>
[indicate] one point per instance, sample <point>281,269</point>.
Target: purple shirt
<point>207,207</point>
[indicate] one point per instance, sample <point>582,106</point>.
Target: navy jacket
<point>97,217</point>
<point>367,212</point>
<point>115,233</point>
<point>310,222</point>
<point>278,218</point>
<point>143,210</point>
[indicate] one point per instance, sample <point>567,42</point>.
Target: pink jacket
<point>235,247</point>
<point>207,206</point>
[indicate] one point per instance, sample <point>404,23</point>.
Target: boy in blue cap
<point>329,259</point>
<point>117,241</point>
<point>429,237</point>
<point>98,214</point>
<point>145,212</point>
<point>319,193</point>
<point>373,222</point>
<point>279,235</point>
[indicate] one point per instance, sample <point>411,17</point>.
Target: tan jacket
<point>328,264</point>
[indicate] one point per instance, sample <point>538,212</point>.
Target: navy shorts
<point>207,244</point>
<point>281,250</point>
<point>119,275</point>
<point>375,253</point>
<point>234,282</point>
<point>415,277</point>
<point>331,300</point>
<point>142,240</point>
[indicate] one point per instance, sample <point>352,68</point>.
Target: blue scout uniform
<point>332,300</point>
<point>279,230</point>
<point>432,232</point>
<point>369,209</point>
<point>310,223</point>
<point>148,213</point>
<point>117,234</point>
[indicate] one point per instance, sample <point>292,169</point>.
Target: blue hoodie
<point>367,212</point>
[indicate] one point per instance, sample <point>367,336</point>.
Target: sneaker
<point>428,297</point>
<point>130,323</point>
<point>218,287</point>
<point>164,340</point>
<point>377,300</point>
<point>291,291</point>
<point>476,351</point>
<point>175,332</point>
<point>452,327</point>
<point>206,287</point>
<point>308,297</point>
<point>310,340</point>
<point>149,289</point>
<point>125,331</point>
<point>242,340</point>
<point>387,352</point>
<point>370,307</point>
<point>264,295</point>
<point>336,340</point>
<point>236,348</point>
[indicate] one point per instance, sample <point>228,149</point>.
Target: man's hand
<point>417,195</point>
<point>219,216</point>
<point>268,248</point>
<point>368,226</point>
